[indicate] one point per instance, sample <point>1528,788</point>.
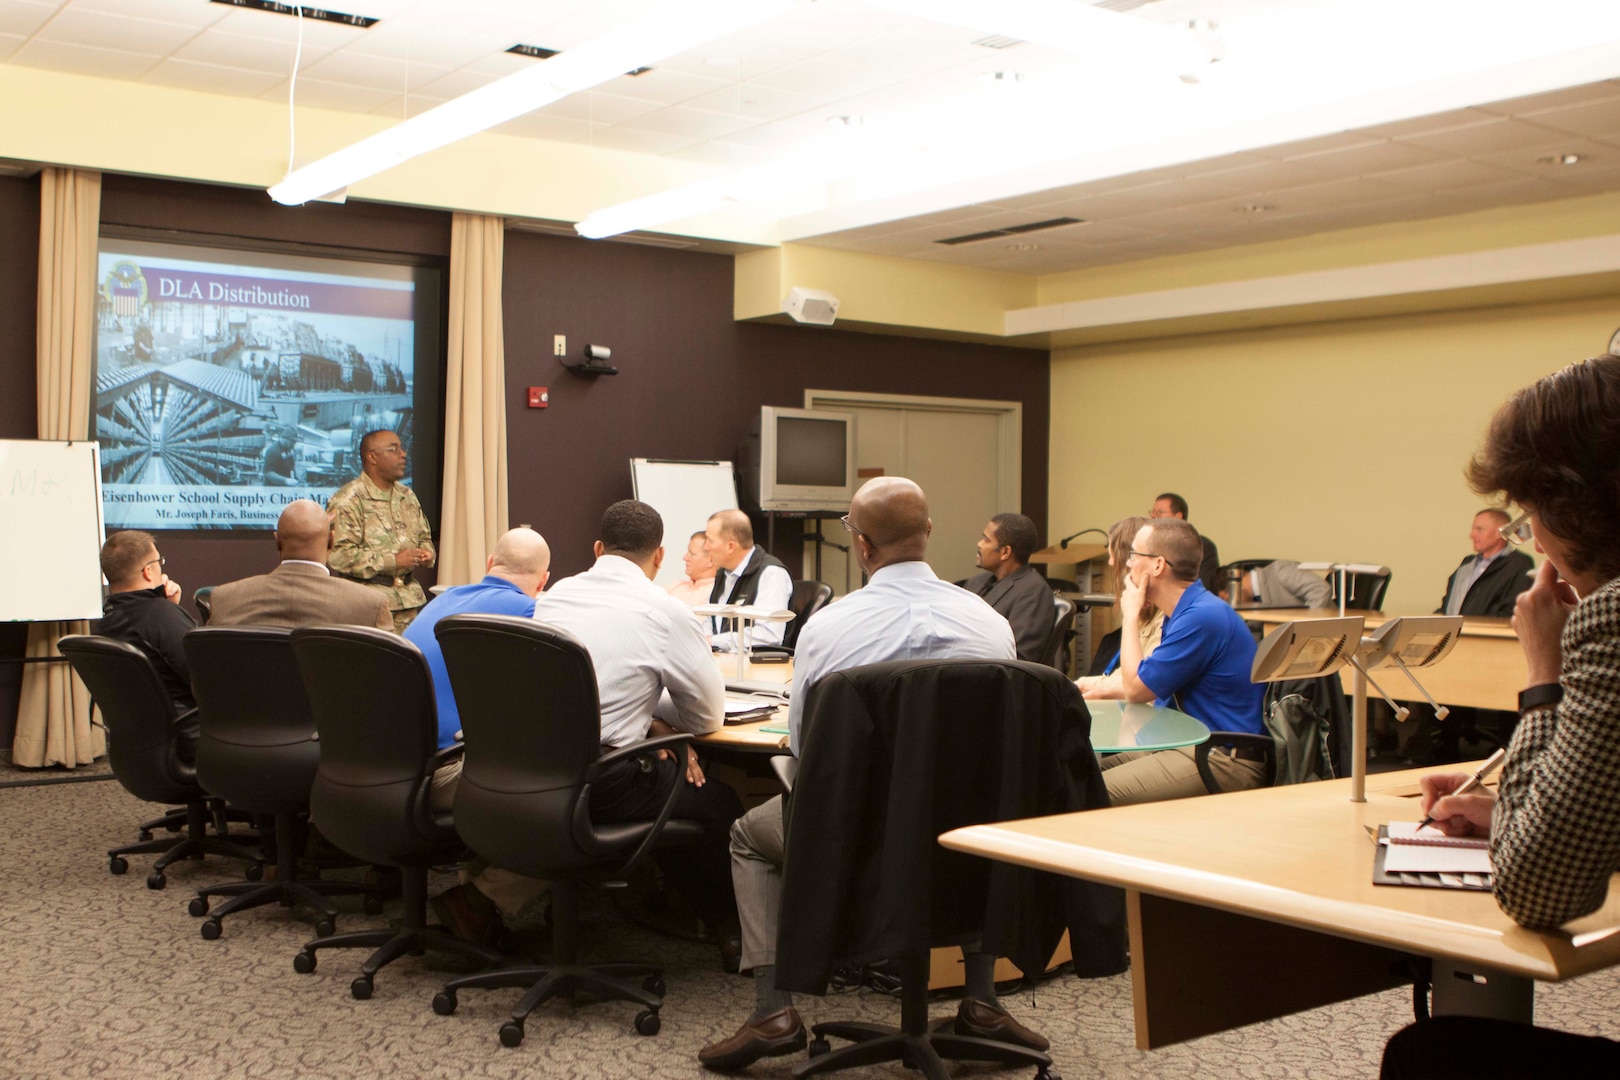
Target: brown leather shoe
<point>466,913</point>
<point>780,1033</point>
<point>982,1020</point>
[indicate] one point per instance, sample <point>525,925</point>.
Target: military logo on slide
<point>125,289</point>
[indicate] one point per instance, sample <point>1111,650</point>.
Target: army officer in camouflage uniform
<point>380,535</point>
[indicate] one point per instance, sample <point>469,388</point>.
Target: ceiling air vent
<point>1013,230</point>
<point>361,22</point>
<point>998,41</point>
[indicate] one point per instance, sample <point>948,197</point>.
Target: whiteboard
<point>684,493</point>
<point>50,530</point>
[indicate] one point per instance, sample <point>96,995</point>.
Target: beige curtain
<point>474,504</point>
<point>53,721</point>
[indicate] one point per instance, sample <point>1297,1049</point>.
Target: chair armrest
<point>771,650</point>
<point>1263,743</point>
<point>420,811</point>
<point>786,767</point>
<point>595,769</point>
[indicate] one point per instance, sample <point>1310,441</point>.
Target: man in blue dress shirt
<point>1201,668</point>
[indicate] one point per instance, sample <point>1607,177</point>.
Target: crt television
<point>803,459</point>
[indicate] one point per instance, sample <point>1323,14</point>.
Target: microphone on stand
<point>1063,543</point>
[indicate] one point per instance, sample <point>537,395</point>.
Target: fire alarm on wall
<point>539,398</point>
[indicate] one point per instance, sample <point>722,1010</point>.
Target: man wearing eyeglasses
<point>1201,668</point>
<point>143,608</point>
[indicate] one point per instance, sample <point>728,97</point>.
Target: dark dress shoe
<point>982,1020</point>
<point>731,953</point>
<point>468,914</point>
<point>780,1033</point>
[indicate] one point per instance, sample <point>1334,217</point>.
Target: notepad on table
<point>1429,858</point>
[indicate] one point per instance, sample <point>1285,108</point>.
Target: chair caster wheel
<point>360,989</point>
<point>511,1033</point>
<point>655,985</point>
<point>211,930</point>
<point>304,963</point>
<point>444,1003</point>
<point>324,928</point>
<point>647,1022</point>
<point>156,880</point>
<point>372,904</point>
<point>819,1046</point>
<point>198,907</point>
<point>117,864</point>
<point>254,871</point>
<point>1048,1072</point>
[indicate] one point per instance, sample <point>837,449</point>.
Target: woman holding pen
<point>1554,823</point>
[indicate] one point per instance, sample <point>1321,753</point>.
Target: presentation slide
<point>229,384</point>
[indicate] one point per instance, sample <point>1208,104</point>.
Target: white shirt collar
<point>307,562</point>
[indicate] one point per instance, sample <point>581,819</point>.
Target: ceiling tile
<point>1555,99</point>
<point>246,51</point>
<point>24,16</point>
<point>1270,175</point>
<point>1322,144</point>
<point>554,128</point>
<point>1333,194</point>
<point>325,95</point>
<point>599,108</point>
<point>693,123</point>
<point>726,154</point>
<point>1375,157</point>
<point>116,32</point>
<point>1454,120</point>
<point>456,83</point>
<point>272,27</point>
<point>1445,176</point>
<point>641,142</point>
<point>375,72</point>
<point>83,60</point>
<point>1491,138</point>
<point>500,64</point>
<point>1595,119</point>
<point>10,43</point>
<point>826,79</point>
<point>188,12</point>
<point>440,46</point>
<point>211,79</point>
<point>761,103</point>
<point>668,87</point>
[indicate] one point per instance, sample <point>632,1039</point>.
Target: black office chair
<point>894,755</point>
<point>807,598</point>
<point>141,719</point>
<point>1055,654</point>
<point>258,750</point>
<point>1365,591</point>
<point>532,725</point>
<point>372,697</point>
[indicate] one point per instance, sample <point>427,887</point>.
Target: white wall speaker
<point>811,306</point>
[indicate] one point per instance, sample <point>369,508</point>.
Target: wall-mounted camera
<point>595,362</point>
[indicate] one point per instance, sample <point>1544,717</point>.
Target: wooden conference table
<point>1258,904</point>
<point>1486,668</point>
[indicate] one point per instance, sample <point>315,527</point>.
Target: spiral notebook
<point>1428,858</point>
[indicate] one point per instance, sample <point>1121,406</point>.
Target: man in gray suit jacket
<point>1013,587</point>
<point>301,591</point>
<point>1281,583</point>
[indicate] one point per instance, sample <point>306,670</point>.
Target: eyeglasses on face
<point>1518,532</point>
<point>1143,555</point>
<point>160,562</point>
<point>849,527</point>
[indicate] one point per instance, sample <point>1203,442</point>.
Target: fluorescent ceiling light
<point>1073,26</point>
<point>671,29</point>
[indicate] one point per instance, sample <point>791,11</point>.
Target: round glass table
<point>1117,726</point>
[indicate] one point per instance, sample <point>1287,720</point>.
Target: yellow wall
<point>1338,441</point>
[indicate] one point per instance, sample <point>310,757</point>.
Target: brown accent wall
<point>19,287</point>
<point>692,379</point>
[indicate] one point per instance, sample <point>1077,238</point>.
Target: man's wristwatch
<point>1534,697</point>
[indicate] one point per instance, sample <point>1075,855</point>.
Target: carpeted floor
<point>105,978</point>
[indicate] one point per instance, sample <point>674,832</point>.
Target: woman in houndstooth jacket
<point>1554,449</point>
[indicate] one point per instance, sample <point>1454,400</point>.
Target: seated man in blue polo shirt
<point>1201,668</point>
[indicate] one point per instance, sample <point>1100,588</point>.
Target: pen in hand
<point>1472,782</point>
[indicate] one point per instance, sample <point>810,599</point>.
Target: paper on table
<point>1426,859</point>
